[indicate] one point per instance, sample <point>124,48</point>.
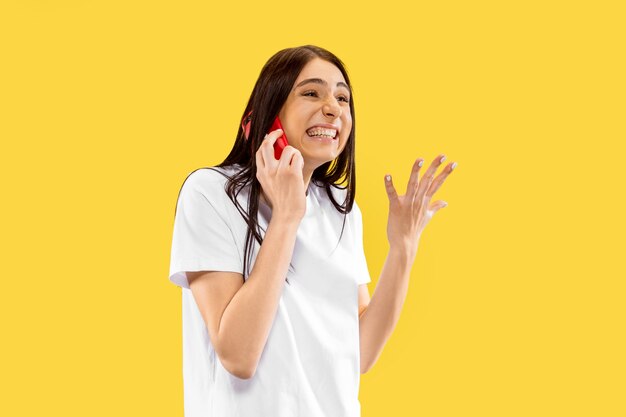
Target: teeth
<point>318,131</point>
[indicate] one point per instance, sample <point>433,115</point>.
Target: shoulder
<point>208,180</point>
<point>205,189</point>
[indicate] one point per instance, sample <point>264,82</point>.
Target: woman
<point>277,318</point>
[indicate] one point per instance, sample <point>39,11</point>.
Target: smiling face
<point>324,101</point>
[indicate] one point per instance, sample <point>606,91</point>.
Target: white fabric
<point>310,364</point>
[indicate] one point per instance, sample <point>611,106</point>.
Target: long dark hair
<point>268,97</point>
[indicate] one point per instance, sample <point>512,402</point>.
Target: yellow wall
<point>516,300</point>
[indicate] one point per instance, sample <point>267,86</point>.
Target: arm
<point>241,328</point>
<point>379,318</point>
<point>239,315</point>
<point>408,215</point>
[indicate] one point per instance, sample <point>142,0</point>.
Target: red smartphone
<point>281,142</point>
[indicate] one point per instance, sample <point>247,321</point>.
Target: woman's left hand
<point>410,213</point>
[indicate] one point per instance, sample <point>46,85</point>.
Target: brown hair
<point>270,92</point>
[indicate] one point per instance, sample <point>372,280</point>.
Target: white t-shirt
<point>310,364</point>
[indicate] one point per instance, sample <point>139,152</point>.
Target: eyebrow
<point>322,82</point>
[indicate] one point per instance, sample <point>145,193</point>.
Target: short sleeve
<point>202,239</point>
<point>363,275</point>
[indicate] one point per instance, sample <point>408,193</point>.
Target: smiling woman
<point>317,112</point>
<point>269,254</point>
<point>277,317</point>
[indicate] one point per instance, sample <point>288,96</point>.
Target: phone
<point>280,143</point>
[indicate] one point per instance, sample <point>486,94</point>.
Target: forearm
<point>381,315</point>
<point>247,320</point>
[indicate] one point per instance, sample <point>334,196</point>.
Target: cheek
<point>348,123</point>
<point>296,122</point>
<point>347,130</point>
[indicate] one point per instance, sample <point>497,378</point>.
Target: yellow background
<point>516,301</point>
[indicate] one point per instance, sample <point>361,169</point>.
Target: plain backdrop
<point>516,300</point>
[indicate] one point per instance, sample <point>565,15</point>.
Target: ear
<point>245,124</point>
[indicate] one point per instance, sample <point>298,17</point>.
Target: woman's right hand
<point>281,180</point>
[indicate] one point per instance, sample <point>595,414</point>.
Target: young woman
<point>277,317</point>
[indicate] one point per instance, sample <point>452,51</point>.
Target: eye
<point>307,93</point>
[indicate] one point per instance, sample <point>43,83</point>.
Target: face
<point>325,102</point>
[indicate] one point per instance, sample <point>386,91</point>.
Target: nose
<point>331,108</point>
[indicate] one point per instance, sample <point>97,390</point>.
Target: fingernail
<point>443,158</point>
<point>420,163</point>
<point>388,178</point>
<point>453,166</point>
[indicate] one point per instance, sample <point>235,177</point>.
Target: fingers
<point>427,179</point>
<point>433,209</point>
<point>391,190</point>
<point>437,182</point>
<point>260,162</point>
<point>411,187</point>
<point>420,191</point>
<point>267,148</point>
<point>297,162</point>
<point>437,205</point>
<point>287,158</point>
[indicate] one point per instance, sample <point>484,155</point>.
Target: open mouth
<point>323,133</point>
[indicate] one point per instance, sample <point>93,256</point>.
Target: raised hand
<point>410,213</point>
